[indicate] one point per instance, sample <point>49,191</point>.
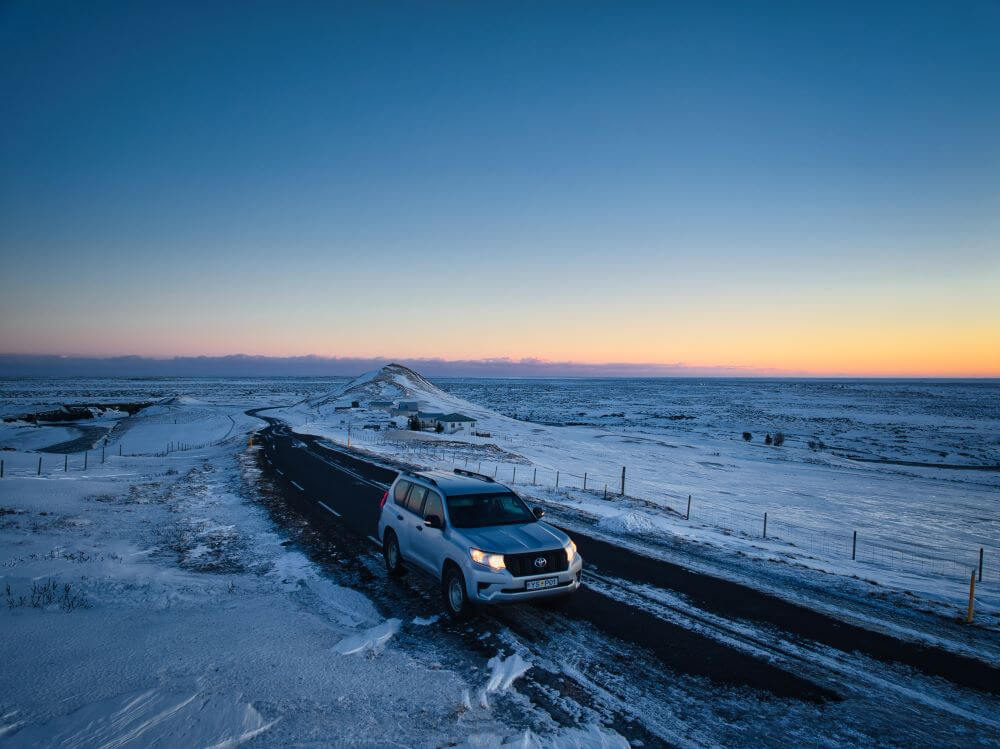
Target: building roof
<point>454,417</point>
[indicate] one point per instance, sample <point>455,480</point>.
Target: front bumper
<point>493,587</point>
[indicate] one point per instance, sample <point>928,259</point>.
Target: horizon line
<point>315,365</point>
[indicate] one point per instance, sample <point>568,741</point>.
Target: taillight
<point>385,496</point>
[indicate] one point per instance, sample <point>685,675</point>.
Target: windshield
<point>479,510</point>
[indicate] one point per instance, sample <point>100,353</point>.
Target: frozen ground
<point>919,528</point>
<point>151,600</point>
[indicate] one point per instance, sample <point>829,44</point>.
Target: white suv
<point>477,537</point>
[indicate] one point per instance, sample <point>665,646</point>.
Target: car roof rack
<point>408,472</point>
<point>474,475</point>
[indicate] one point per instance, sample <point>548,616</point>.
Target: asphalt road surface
<point>672,621</point>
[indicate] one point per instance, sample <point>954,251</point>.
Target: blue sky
<point>720,184</point>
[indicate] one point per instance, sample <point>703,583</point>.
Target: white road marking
<point>349,472</point>
<point>298,487</point>
<point>375,541</point>
<point>280,471</point>
<point>329,509</point>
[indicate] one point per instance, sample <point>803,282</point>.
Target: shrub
<point>747,436</point>
<point>414,423</point>
<point>767,439</point>
<point>779,439</point>
<point>439,427</point>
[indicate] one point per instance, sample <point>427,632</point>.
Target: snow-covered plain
<point>150,599</point>
<point>919,528</point>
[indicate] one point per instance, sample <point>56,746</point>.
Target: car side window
<point>416,498</point>
<point>399,495</point>
<point>433,506</point>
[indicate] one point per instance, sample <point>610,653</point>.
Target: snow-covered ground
<point>150,599</point>
<point>919,529</point>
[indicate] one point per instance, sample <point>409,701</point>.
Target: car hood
<point>514,539</point>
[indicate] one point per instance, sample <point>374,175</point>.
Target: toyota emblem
<point>541,562</point>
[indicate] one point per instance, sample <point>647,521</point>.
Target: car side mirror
<point>433,521</point>
<point>538,512</point>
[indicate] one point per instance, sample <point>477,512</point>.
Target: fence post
<point>102,453</point>
<point>534,477</point>
<point>972,598</point>
<point>688,516</point>
<point>854,546</point>
<point>557,479</point>
<point>980,564</point>
<point>65,462</point>
<point>85,454</point>
<point>623,482</point>
<point>585,481</point>
<point>119,449</point>
<point>605,491</point>
<point>1,469</point>
<point>765,525</point>
<point>39,465</point>
<point>513,475</point>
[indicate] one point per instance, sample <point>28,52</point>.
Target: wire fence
<point>862,546</point>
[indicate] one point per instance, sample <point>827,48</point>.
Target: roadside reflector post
<point>534,478</point>
<point>557,479</point>
<point>972,598</point>
<point>1,469</point>
<point>688,516</point>
<point>765,525</point>
<point>622,493</point>
<point>980,564</point>
<point>119,449</point>
<point>513,475</point>
<point>65,462</point>
<point>854,547</point>
<point>495,469</point>
<point>39,465</point>
<point>585,481</point>
<point>605,491</point>
<point>102,453</point>
<point>85,454</point>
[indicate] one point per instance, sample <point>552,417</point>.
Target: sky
<point>771,187</point>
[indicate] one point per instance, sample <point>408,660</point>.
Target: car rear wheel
<point>390,553</point>
<point>456,601</point>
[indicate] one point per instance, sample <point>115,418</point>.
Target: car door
<point>411,516</point>
<point>397,519</point>
<point>426,543</point>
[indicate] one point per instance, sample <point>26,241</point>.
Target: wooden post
<point>980,564</point>
<point>39,465</point>
<point>585,481</point>
<point>557,479</point>
<point>534,477</point>
<point>119,449</point>
<point>765,525</point>
<point>688,516</point>
<point>85,454</point>
<point>622,494</point>
<point>1,469</point>
<point>65,462</point>
<point>513,475</point>
<point>854,547</point>
<point>605,491</point>
<point>102,453</point>
<point>972,598</point>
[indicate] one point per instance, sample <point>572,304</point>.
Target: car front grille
<point>523,565</point>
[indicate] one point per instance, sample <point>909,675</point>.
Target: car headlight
<point>570,552</point>
<point>485,558</point>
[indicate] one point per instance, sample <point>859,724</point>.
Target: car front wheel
<point>390,552</point>
<point>453,591</point>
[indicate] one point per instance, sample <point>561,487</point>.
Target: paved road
<point>691,623</point>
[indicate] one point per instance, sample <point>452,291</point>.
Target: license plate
<point>545,582</point>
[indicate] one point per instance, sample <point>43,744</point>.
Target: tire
<point>391,554</point>
<point>456,601</point>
